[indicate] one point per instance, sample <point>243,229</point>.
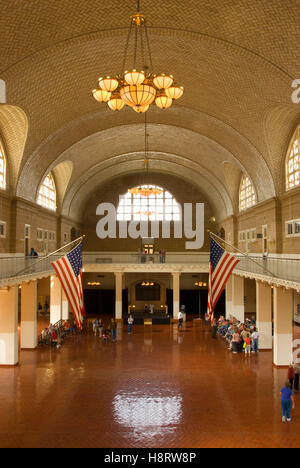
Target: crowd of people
<point>54,336</point>
<point>240,337</point>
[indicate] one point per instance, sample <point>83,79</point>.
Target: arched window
<point>47,193</point>
<point>247,196</point>
<point>2,168</point>
<point>292,162</point>
<point>157,206</point>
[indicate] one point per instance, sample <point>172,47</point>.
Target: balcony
<point>276,270</point>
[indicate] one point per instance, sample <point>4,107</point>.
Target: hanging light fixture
<point>136,87</point>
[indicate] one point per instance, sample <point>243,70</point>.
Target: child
<point>247,342</point>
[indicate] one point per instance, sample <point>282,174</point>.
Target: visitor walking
<point>130,323</point>
<point>180,319</point>
<point>287,402</point>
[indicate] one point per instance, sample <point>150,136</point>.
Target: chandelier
<point>137,87</point>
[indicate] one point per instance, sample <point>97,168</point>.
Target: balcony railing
<point>283,268</point>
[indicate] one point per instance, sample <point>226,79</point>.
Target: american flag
<point>221,265</point>
<point>69,273</point>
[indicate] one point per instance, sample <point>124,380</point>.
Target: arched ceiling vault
<point>77,198</point>
<point>237,85</point>
<point>207,153</point>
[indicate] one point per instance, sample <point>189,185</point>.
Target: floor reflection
<point>150,409</point>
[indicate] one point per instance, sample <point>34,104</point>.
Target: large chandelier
<point>137,87</point>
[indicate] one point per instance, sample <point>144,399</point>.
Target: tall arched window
<point>247,196</point>
<point>47,193</point>
<point>158,206</point>
<point>2,168</point>
<point>292,162</point>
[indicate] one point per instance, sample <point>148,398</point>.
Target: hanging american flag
<point>69,273</point>
<point>221,265</point>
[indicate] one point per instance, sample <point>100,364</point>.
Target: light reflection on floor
<point>137,411</point>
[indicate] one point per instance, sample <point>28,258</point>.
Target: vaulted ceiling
<point>236,59</point>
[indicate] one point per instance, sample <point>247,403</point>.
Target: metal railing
<point>284,268</point>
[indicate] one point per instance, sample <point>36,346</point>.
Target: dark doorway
<point>102,301</point>
<point>195,302</point>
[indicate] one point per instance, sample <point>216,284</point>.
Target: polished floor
<point>155,388</point>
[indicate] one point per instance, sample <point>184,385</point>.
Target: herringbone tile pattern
<point>147,390</point>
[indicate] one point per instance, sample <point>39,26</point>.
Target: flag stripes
<point>69,272</point>
<point>221,265</point>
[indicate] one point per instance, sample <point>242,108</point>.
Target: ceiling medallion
<point>136,87</point>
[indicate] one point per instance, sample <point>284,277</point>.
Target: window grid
<point>47,193</point>
<point>2,169</point>
<point>247,194</point>
<point>292,164</point>
<point>159,207</point>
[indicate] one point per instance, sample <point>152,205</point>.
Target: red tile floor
<point>155,388</point>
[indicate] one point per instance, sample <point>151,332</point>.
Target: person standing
<point>180,319</point>
<point>247,341</point>
<point>130,323</point>
<point>236,339</point>
<point>100,326</point>
<point>296,381</point>
<point>214,328</point>
<point>95,326</point>
<point>291,375</point>
<point>287,402</point>
<point>113,329</point>
<point>255,336</point>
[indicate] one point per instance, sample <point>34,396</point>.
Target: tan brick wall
<point>5,214</point>
<point>183,193</point>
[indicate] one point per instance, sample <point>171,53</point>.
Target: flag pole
<point>212,234</point>
<point>50,254</point>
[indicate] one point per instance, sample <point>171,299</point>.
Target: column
<point>29,315</point>
<point>176,294</point>
<point>283,326</point>
<point>65,308</point>
<point>228,307</point>
<point>264,315</point>
<point>238,307</point>
<point>119,289</point>
<point>9,355</point>
<point>55,300</point>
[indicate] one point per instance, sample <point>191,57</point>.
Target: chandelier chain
<point>149,50</point>
<point>126,47</point>
<point>135,46</point>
